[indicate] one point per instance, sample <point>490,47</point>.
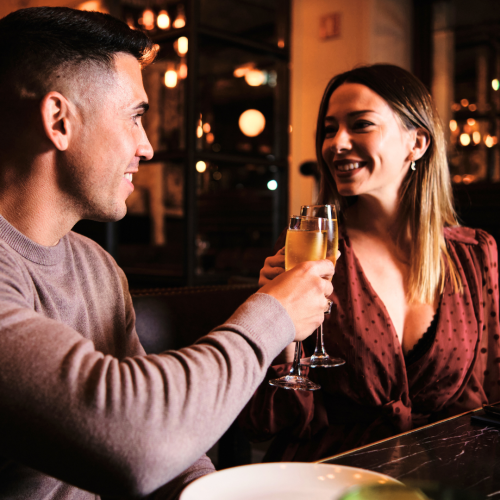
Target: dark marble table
<point>453,452</point>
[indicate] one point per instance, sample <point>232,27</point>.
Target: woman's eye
<point>361,124</point>
<point>330,130</point>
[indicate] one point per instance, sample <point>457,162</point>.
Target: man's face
<point>107,143</point>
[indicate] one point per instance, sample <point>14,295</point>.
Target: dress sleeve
<point>487,368</point>
<point>272,410</point>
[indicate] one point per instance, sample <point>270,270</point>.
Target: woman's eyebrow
<point>352,114</point>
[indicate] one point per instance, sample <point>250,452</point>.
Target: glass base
<point>322,361</point>
<point>295,382</point>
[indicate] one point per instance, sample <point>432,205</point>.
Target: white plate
<point>281,481</point>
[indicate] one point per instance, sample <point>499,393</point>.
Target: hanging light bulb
<point>181,46</point>
<point>148,19</point>
<point>170,78</point>
<point>180,20</point>
<point>163,21</point>
<point>183,70</point>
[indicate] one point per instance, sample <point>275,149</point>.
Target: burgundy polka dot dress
<point>378,393</point>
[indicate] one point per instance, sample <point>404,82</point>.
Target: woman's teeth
<point>348,166</point>
<point>128,177</point>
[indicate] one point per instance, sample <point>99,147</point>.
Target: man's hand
<point>303,292</point>
<point>273,266</point>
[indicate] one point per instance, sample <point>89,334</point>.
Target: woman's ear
<point>421,143</point>
<point>55,113</point>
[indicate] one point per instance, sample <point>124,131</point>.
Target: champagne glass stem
<point>295,369</point>
<point>320,346</point>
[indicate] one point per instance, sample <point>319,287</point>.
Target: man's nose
<point>145,150</point>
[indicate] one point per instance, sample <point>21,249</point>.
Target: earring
<point>412,165</point>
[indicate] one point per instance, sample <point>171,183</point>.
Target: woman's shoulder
<point>468,235</point>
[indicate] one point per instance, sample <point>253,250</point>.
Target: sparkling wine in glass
<point>320,358</point>
<point>306,239</point>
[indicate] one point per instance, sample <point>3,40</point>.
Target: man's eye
<point>136,118</point>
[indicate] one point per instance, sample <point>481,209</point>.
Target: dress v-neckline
<point>343,234</point>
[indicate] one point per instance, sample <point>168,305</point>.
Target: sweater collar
<point>38,254</point>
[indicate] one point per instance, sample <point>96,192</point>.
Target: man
<point>82,408</point>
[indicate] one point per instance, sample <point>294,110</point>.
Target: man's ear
<point>422,142</point>
<point>56,113</point>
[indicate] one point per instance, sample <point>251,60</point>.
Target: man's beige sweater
<point>82,408</point>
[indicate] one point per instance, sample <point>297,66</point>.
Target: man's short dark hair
<point>39,44</point>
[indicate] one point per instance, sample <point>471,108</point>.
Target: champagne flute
<point>320,358</point>
<point>305,240</point>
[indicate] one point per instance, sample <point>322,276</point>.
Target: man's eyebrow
<point>143,105</point>
<point>352,113</point>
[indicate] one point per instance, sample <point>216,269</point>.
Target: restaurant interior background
<point>234,96</point>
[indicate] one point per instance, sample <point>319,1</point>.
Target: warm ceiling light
<point>199,131</point>
<point>252,122</point>
<point>180,20</point>
<point>453,125</point>
<point>206,128</point>
<point>471,121</point>
<point>472,107</point>
<point>476,137</point>
<point>148,19</point>
<point>183,71</point>
<point>254,77</point>
<point>182,46</point>
<point>93,5</point>
<point>464,139</point>
<point>464,103</point>
<point>201,166</point>
<point>163,21</point>
<point>170,79</point>
<point>489,141</point>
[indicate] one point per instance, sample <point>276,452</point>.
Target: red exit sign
<point>330,26</point>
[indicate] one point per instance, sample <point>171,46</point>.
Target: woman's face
<point>365,145</point>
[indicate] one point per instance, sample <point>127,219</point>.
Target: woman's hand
<point>273,266</point>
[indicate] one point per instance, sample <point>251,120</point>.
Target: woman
<point>415,297</point>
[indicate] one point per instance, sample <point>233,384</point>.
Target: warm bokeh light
<point>472,107</point>
<point>201,166</point>
<point>183,71</point>
<point>490,141</point>
<point>199,131</point>
<point>182,45</point>
<point>272,185</point>
<point>254,77</point>
<point>180,20</point>
<point>210,138</point>
<point>464,139</point>
<point>455,106</point>
<point>457,179</point>
<point>281,44</point>
<point>93,5</point>
<point>495,84</point>
<point>163,21</point>
<point>464,103</point>
<point>206,128</point>
<point>148,19</point>
<point>471,121</point>
<point>170,79</point>
<point>476,137</point>
<point>217,176</point>
<point>241,71</point>
<point>252,122</point>
<point>467,179</point>
<point>453,125</point>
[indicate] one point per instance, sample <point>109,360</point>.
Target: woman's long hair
<point>426,200</point>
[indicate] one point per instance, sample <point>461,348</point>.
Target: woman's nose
<point>341,141</point>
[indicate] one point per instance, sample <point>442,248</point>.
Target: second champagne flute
<point>305,240</point>
<point>320,358</point>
